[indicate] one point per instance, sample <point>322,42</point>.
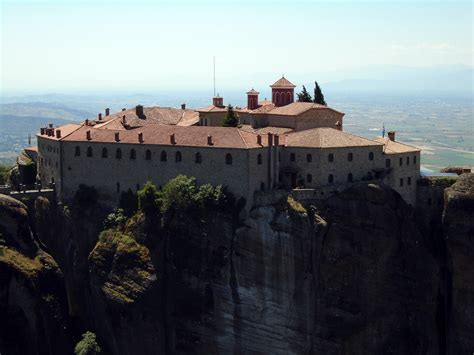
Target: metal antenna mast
<point>214,75</point>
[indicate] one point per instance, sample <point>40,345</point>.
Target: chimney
<point>183,106</point>
<point>209,140</point>
<point>88,135</point>
<point>50,125</point>
<point>107,112</point>
<point>42,130</point>
<point>172,139</point>
<point>259,139</point>
<point>117,136</point>
<point>270,139</point>
<point>339,125</point>
<point>140,137</point>
<point>139,111</point>
<point>58,133</point>
<point>391,135</point>
<point>99,116</point>
<point>124,109</point>
<point>218,101</point>
<point>277,139</point>
<point>87,122</point>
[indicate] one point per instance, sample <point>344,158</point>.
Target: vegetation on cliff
<point>88,345</point>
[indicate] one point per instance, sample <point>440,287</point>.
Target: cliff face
<point>33,311</point>
<point>349,275</point>
<point>458,225</point>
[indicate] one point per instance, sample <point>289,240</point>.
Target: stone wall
<point>49,161</point>
<point>405,171</point>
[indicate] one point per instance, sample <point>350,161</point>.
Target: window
<point>309,178</point>
<point>163,156</point>
<point>292,157</point>
<point>401,181</point>
<point>89,151</point>
<point>118,153</point>
<point>77,152</point>
<point>279,156</point>
<point>309,158</point>
<point>331,158</point>
<point>228,159</point>
<point>198,158</point>
<point>349,177</point>
<point>105,153</point>
<point>259,159</point>
<point>262,186</point>
<point>177,157</point>
<point>148,154</point>
<point>409,180</point>
<point>133,154</point>
<point>408,160</point>
<point>330,178</point>
<point>400,161</point>
<point>371,156</point>
<point>414,159</point>
<point>118,187</point>
<point>387,163</point>
<point>350,157</point>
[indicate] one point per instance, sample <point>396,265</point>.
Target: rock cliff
<point>349,275</point>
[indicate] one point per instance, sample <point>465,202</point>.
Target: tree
<point>128,202</point>
<point>230,119</point>
<point>304,96</point>
<point>148,199</point>
<point>318,95</point>
<point>88,345</point>
<point>86,196</point>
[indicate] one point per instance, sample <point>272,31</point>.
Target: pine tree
<point>304,96</point>
<point>230,119</point>
<point>318,95</point>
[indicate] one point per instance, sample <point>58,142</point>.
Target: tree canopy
<point>304,96</point>
<point>230,119</point>
<point>318,95</point>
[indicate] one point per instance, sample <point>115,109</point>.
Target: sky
<point>147,45</point>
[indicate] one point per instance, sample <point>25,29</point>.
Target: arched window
<point>400,161</point>
<point>198,158</point>
<point>387,163</point>
<point>163,156</point>
<point>309,158</point>
<point>331,158</point>
<point>414,159</point>
<point>105,153</point>
<point>89,151</point>
<point>118,153</point>
<point>349,177</point>
<point>77,152</point>
<point>262,186</point>
<point>148,154</point>
<point>371,156</point>
<point>259,159</point>
<point>118,187</point>
<point>133,154</point>
<point>178,157</point>
<point>288,97</point>
<point>330,178</point>
<point>408,160</point>
<point>309,178</point>
<point>228,159</point>
<point>292,157</point>
<point>277,98</point>
<point>350,157</point>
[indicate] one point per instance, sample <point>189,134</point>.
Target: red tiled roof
<point>212,108</point>
<point>394,147</point>
<point>282,83</point>
<point>326,138</point>
<point>252,92</point>
<point>197,136</point>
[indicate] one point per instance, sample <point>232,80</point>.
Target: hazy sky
<point>72,45</point>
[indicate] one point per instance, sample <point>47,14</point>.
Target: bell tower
<point>283,92</point>
<point>252,99</point>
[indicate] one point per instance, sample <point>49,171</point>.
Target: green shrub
<point>148,199</point>
<point>87,345</point>
<point>4,174</point>
<point>115,219</point>
<point>128,203</point>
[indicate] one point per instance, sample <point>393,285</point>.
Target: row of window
<point>163,155</point>
<point>400,160</point>
<point>309,157</point>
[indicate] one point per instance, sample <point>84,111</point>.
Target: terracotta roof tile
<point>266,130</point>
<point>212,108</point>
<point>252,92</point>
<point>394,147</point>
<point>282,83</point>
<point>326,138</point>
<point>297,108</point>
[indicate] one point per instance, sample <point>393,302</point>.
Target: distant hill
<point>22,125</point>
<point>43,110</point>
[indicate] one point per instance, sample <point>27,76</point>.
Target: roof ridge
<point>79,127</point>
